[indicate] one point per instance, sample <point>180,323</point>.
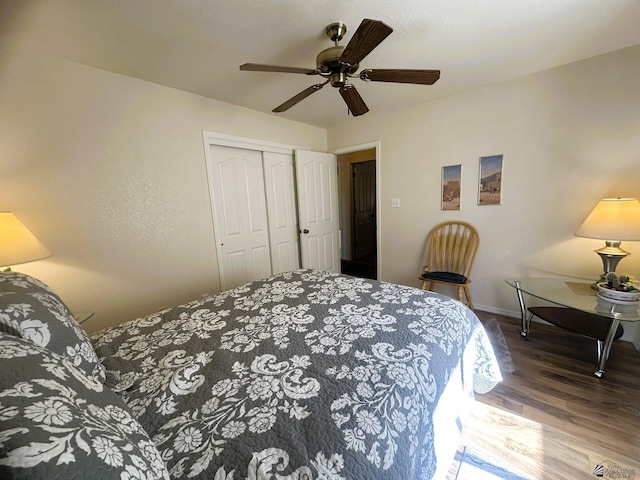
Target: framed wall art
<point>451,184</point>
<point>490,184</point>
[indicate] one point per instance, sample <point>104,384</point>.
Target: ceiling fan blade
<point>353,100</point>
<point>367,37</point>
<point>422,77</point>
<point>299,97</point>
<point>257,67</point>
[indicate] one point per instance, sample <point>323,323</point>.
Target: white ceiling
<point>198,45</point>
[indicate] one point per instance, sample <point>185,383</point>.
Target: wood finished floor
<point>551,418</point>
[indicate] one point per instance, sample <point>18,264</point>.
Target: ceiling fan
<point>337,64</point>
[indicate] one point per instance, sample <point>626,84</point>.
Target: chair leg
<point>424,284</point>
<point>468,295</point>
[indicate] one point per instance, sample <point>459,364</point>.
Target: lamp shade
<point>17,243</point>
<point>613,219</point>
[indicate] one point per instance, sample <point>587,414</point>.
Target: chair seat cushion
<point>444,277</point>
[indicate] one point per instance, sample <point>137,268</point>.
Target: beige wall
<point>569,136</point>
<point>109,173</point>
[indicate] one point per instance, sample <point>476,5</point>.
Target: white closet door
<point>240,215</point>
<point>317,184</point>
<point>281,211</point>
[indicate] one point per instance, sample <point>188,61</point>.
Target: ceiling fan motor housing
<point>328,62</point>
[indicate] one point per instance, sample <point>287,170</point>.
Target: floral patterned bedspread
<point>304,375</point>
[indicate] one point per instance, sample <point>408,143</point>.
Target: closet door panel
<point>240,215</point>
<point>231,218</point>
<point>281,211</point>
<point>251,178</point>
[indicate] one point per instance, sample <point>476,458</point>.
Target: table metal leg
<point>526,319</point>
<point>604,352</point>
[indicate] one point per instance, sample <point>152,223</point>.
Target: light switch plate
<point>395,203</point>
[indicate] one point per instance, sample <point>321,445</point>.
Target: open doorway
<point>358,213</point>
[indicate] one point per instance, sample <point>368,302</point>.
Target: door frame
<point>226,140</point>
<point>356,148</point>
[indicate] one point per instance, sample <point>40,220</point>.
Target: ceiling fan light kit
<point>337,64</point>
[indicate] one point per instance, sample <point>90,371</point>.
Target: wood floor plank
<point>552,418</point>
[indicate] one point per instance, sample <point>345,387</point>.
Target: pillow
<point>58,422</point>
<point>30,310</point>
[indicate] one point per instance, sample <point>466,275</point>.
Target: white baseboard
<point>499,311</point>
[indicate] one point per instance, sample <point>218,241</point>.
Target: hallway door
<point>364,208</point>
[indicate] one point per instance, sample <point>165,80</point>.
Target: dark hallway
<point>364,267</point>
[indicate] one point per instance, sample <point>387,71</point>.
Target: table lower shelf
<point>604,330</point>
<point>588,324</point>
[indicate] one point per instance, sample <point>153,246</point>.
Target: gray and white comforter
<point>305,375</point>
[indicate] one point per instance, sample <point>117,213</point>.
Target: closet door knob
<point>304,231</point>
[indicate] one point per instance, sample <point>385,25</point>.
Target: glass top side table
<point>580,299</point>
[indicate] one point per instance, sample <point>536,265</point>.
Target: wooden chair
<point>452,249</point>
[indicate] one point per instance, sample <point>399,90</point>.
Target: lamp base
<point>610,254</point>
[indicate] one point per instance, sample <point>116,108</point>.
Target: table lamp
<point>17,243</point>
<point>612,220</point>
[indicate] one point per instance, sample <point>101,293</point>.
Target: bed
<point>303,375</point>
